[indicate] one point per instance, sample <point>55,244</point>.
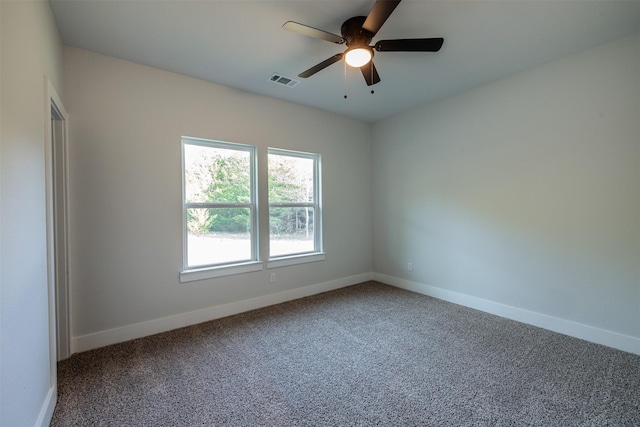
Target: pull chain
<point>371,68</point>
<point>345,79</point>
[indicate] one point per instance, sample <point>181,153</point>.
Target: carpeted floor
<point>366,355</point>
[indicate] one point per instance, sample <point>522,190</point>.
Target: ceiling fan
<point>357,33</point>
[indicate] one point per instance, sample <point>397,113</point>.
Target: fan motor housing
<point>352,32</point>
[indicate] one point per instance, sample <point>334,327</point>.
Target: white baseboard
<point>151,327</point>
<point>49,404</point>
<point>555,324</point>
<point>577,330</point>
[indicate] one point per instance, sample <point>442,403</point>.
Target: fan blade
<point>306,30</point>
<point>409,45</point>
<point>378,15</point>
<point>370,73</point>
<point>321,66</point>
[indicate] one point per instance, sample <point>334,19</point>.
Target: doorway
<point>57,227</point>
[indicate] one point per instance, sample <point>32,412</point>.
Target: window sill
<point>295,259</point>
<point>226,270</point>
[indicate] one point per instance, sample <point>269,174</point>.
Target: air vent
<point>282,80</point>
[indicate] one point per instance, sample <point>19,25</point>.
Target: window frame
<point>317,253</point>
<point>233,267</point>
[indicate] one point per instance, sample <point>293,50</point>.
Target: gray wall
<point>524,193</point>
<point>521,194</point>
<point>31,49</point>
<point>125,193</point>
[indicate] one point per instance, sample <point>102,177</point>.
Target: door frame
<point>57,214</point>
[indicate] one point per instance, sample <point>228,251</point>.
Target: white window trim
<point>317,254</point>
<point>194,274</point>
<point>189,274</point>
<point>304,258</point>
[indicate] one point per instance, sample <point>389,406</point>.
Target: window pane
<point>290,179</point>
<point>291,231</point>
<point>217,236</point>
<point>216,175</point>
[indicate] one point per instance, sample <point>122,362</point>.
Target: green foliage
<point>231,180</point>
<point>236,220</point>
<point>288,221</point>
<point>199,221</point>
<point>215,176</point>
<point>219,178</point>
<point>281,185</point>
<point>290,180</point>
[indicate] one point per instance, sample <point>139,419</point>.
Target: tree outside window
<point>294,203</point>
<point>220,206</point>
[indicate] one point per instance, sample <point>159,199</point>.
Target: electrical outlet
<point>272,278</point>
<point>410,266</point>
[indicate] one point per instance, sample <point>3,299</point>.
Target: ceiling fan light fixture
<point>357,33</point>
<point>358,56</point>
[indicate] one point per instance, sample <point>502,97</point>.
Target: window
<point>220,209</point>
<point>219,206</point>
<point>294,204</point>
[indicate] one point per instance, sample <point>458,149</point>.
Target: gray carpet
<point>366,355</point>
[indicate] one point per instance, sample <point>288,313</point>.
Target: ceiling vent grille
<point>282,80</point>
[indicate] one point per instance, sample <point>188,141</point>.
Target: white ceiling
<point>241,43</point>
